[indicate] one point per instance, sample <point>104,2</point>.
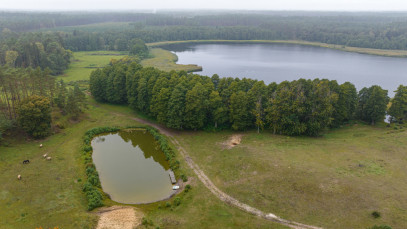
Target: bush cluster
<point>165,147</point>
<point>92,185</point>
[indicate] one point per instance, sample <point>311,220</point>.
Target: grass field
<point>50,195</point>
<point>379,52</point>
<point>335,181</point>
<point>166,61</point>
<point>83,63</point>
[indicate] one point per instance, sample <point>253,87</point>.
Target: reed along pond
<point>132,168</point>
<point>279,62</point>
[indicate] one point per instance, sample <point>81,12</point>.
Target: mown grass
<point>83,63</point>
<point>370,51</point>
<point>166,61</point>
<point>335,181</point>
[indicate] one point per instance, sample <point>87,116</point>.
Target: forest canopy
<point>80,33</point>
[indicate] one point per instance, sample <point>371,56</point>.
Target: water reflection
<point>279,62</point>
<point>131,167</point>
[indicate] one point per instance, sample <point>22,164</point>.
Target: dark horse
<point>26,161</point>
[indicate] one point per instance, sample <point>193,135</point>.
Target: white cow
<point>19,177</point>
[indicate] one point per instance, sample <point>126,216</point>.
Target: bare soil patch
<point>119,217</point>
<point>233,141</point>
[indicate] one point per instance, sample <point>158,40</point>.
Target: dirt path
<point>216,191</point>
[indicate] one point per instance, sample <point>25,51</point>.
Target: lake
<point>279,62</point>
<point>132,169</point>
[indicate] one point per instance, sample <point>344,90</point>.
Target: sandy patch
<point>233,141</point>
<point>119,217</point>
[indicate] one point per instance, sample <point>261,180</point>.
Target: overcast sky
<point>331,5</point>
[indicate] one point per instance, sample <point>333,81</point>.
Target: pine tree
<point>398,108</point>
<point>195,107</point>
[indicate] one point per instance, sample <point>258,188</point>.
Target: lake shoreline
<point>369,51</point>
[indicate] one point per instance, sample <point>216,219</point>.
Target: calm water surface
<point>279,62</point>
<point>131,167</point>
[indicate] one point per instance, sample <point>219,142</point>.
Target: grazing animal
<point>40,145</point>
<point>26,161</point>
<point>45,155</point>
<point>19,177</point>
<point>48,158</point>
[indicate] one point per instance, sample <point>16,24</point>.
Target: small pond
<point>132,169</point>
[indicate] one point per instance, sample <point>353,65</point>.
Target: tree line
<point>381,31</point>
<point>189,101</point>
<point>367,30</point>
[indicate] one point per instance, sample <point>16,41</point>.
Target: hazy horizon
<point>256,5</point>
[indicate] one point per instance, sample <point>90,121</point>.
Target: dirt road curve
<point>217,192</point>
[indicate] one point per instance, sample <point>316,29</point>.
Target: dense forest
<point>189,101</point>
<point>369,30</point>
<point>44,50</point>
<point>28,96</point>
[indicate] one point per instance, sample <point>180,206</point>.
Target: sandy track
<point>216,191</point>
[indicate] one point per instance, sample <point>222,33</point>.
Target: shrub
<point>177,201</point>
<point>87,187</point>
<point>87,148</point>
<point>167,204</point>
<point>187,188</point>
<point>147,222</point>
<point>184,178</point>
<point>94,180</point>
<point>376,214</point>
<point>380,227</point>
<point>94,199</point>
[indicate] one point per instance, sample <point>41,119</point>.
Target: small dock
<point>172,177</point>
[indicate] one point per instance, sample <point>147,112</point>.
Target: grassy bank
<point>379,52</point>
<point>83,63</point>
<point>166,61</point>
<point>335,181</point>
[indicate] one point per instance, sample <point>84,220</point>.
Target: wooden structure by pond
<point>172,177</point>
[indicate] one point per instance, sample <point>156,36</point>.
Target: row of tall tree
<point>189,101</point>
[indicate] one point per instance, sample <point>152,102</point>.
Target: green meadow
<point>83,63</point>
<point>334,181</point>
<point>166,61</point>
